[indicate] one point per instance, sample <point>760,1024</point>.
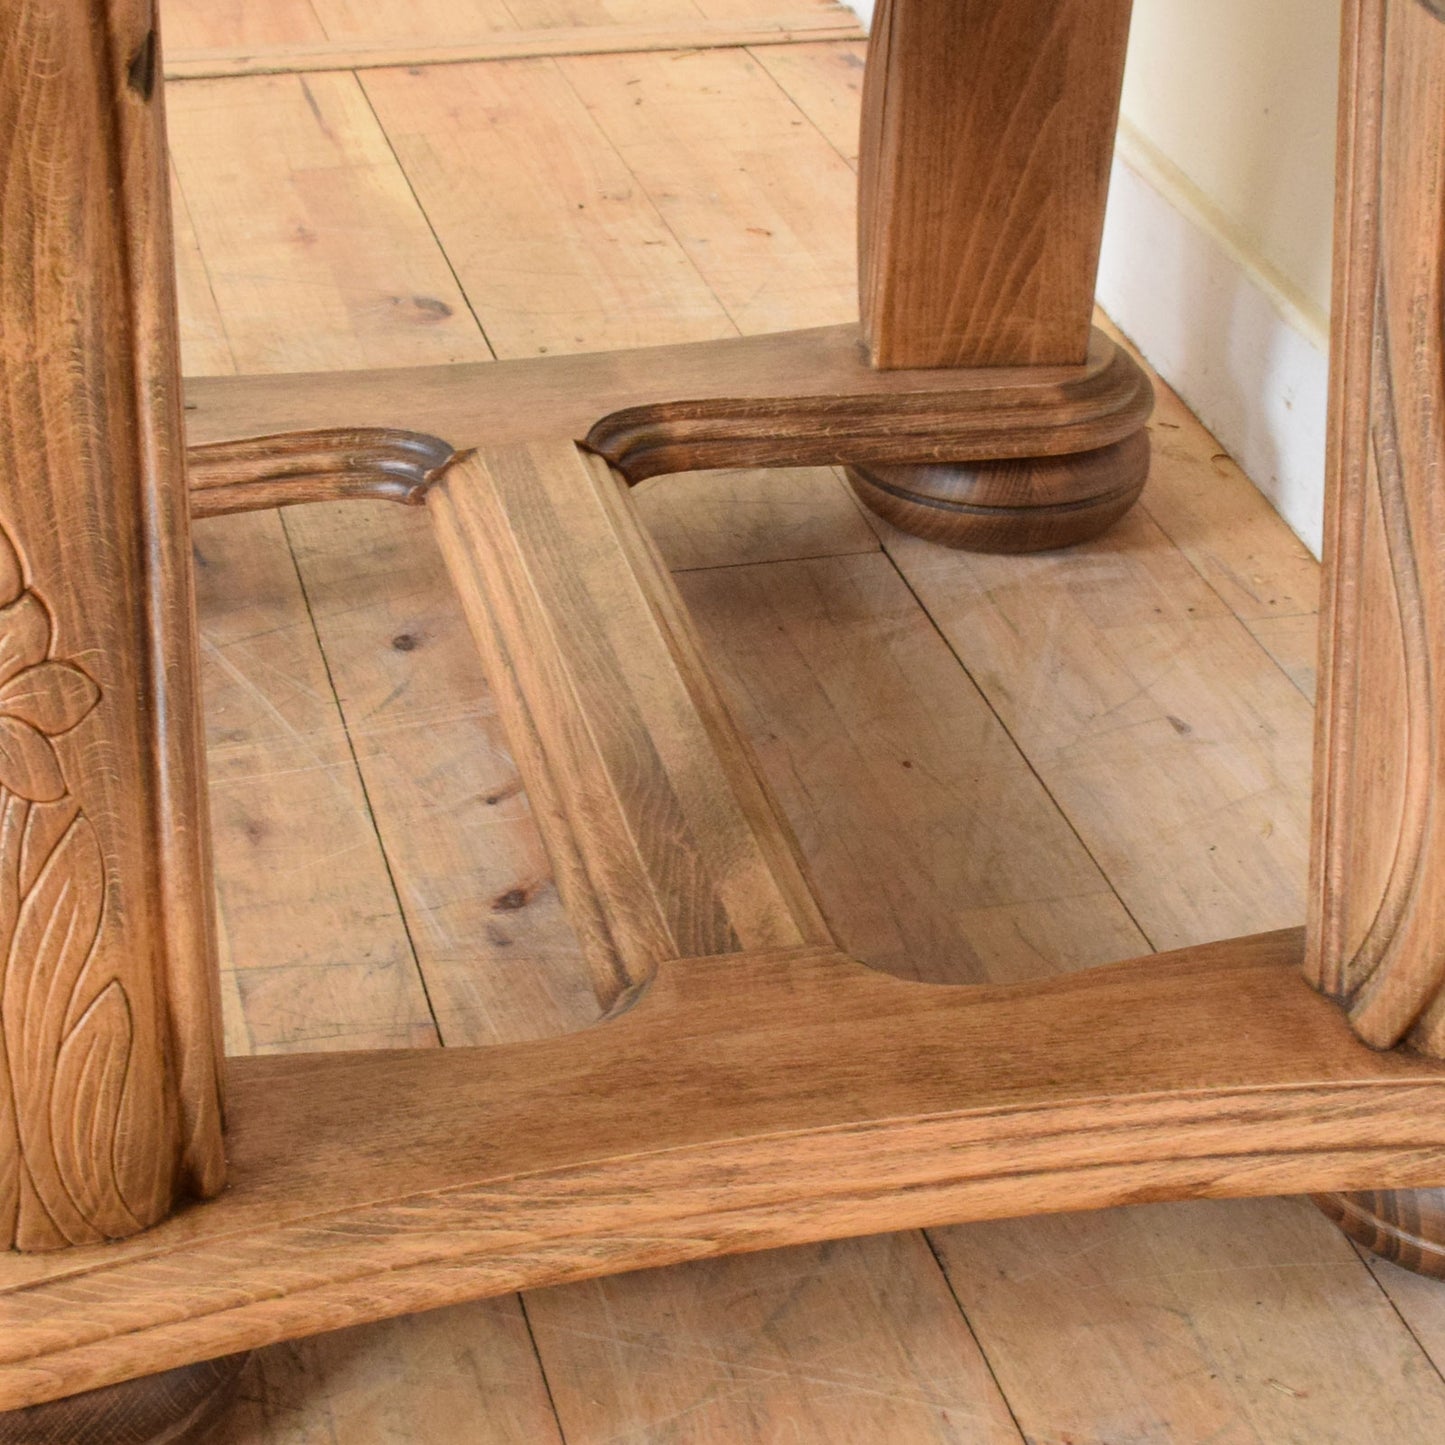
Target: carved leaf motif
<point>67,1088</point>
<point>24,635</point>
<point>40,698</point>
<point>9,1152</point>
<point>12,575</point>
<point>87,1110</point>
<point>14,813</point>
<point>28,765</point>
<point>41,830</point>
<point>51,696</point>
<point>48,990</point>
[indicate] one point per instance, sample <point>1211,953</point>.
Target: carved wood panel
<point>109,1105</point>
<point>1377,937</point>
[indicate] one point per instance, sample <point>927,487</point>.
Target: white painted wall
<point>1239,96</point>
<point>1217,248</point>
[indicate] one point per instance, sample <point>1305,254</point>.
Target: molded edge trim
<point>799,398</point>
<point>751,1101</point>
<point>331,465</point>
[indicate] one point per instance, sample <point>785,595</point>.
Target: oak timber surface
<point>939,854</point>
<point>981,207</point>
<point>303,779</point>
<point>848,1350</point>
<point>760,1347</point>
<point>481,911</point>
<point>663,838</point>
<point>110,1103</point>
<point>464,883</point>
<point>286,799</point>
<point>710,1138</point>
<point>289,26</point>
<point>825,23</point>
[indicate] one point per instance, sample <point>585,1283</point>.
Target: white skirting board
<point>1247,357</point>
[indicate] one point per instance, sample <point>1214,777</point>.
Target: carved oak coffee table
<point>164,1210</point>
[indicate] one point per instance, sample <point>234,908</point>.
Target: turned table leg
<point>988,129</point>
<point>109,1034</point>
<point>1377,934</point>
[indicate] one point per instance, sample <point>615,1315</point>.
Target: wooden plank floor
<point>997,767</point>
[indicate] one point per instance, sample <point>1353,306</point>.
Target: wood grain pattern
<point>271,167</point>
<point>983,168</point>
<point>530,199</point>
<point>987,135</point>
<point>760,202</point>
<point>803,398</point>
<point>494,949</point>
<point>663,838</point>
<point>492,943</point>
<point>109,1105</point>
<point>1405,1226</point>
<point>1120,674</point>
<point>851,1342</point>
<point>386,738</point>
<point>1192,1321</point>
<point>176,1407</point>
<point>749,1101</point>
<point>461,1376</point>
<point>1379,839</point>
<point>1034,504</point>
<point>271,25</point>
<point>1206,506</point>
<point>205,24</point>
<point>938,856</point>
<point>315,951</point>
<point>1379,865</point>
<point>1020,418</point>
<point>562,248</point>
<point>825,82</point>
<point>828,22</point>
<point>737,518</point>
<point>1320,1073</point>
<point>367,463</point>
<point>438,19</point>
<point>937,851</point>
<point>390,741</point>
<point>287,806</point>
<point>1150,1284</point>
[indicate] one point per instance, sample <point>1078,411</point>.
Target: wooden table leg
<point>109,1026</point>
<point>1377,934</point>
<point>988,130</point>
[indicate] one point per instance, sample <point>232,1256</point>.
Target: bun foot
<point>1405,1226</point>
<point>1028,505</point>
<point>175,1408</point>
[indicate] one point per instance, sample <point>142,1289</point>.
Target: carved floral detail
<point>40,697</point>
<point>66,1030</point>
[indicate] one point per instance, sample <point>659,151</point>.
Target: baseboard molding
<point>1248,356</point>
